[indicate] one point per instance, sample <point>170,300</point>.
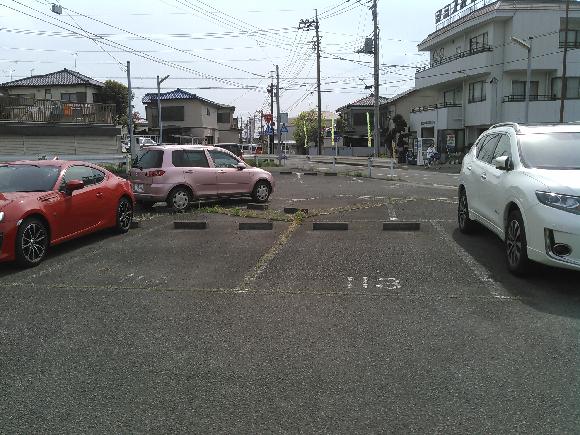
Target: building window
<point>74,97</point>
<point>359,119</point>
<point>172,113</point>
<point>207,112</point>
<point>519,90</point>
<point>478,42</point>
<point>452,96</point>
<point>48,94</point>
<point>572,87</point>
<point>223,117</point>
<point>573,38</point>
<point>477,92</point>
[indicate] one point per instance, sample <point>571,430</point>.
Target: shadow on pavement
<point>547,289</point>
<point>59,252</point>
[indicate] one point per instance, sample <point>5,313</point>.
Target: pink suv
<point>177,174</point>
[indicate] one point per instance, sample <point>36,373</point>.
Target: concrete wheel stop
<point>253,206</point>
<point>330,226</point>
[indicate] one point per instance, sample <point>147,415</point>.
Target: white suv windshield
<point>551,150</point>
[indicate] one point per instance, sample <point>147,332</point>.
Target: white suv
<point>523,183</point>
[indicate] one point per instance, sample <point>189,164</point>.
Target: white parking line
<point>495,288</point>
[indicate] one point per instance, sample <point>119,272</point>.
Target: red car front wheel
<point>31,242</point>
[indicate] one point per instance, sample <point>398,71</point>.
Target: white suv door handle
<point>484,176</point>
<point>469,167</point>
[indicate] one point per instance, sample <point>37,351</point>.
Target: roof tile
<point>179,94</point>
<point>63,77</point>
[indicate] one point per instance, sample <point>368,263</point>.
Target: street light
<point>159,106</point>
<point>527,46</point>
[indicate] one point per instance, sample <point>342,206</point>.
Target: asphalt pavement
<point>292,330</point>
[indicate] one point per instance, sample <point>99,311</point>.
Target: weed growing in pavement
<point>240,212</point>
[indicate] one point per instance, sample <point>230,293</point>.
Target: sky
<point>222,50</point>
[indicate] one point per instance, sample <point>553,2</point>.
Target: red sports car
<point>47,202</point>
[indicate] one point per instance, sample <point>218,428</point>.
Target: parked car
<point>141,142</point>
<point>234,148</point>
<point>177,174</point>
<point>523,183</point>
<point>44,203</point>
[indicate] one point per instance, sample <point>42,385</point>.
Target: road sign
<point>269,130</point>
<point>284,129</point>
<point>268,117</point>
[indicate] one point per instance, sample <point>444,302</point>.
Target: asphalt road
<point>291,330</point>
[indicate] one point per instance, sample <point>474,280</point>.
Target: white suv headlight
<point>562,202</point>
<point>1,216</point>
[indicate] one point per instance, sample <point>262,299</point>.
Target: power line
<point>157,42</point>
<point>129,49</point>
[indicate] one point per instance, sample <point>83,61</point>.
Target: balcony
<point>443,116</point>
<point>18,109</point>
<point>455,56</point>
<point>522,98</point>
<point>456,67</point>
<point>434,107</point>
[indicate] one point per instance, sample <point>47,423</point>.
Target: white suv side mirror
<point>502,163</point>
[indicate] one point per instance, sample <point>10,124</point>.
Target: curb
<point>294,210</point>
<point>189,225</point>
<point>401,226</point>
<point>329,226</point>
<point>314,174</point>
<point>252,206</point>
<point>244,226</point>
<point>285,172</point>
<point>331,174</point>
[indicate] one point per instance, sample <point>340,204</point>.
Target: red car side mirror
<point>73,185</point>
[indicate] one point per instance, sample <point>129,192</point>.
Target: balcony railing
<point>30,110</point>
<point>456,56</point>
<point>434,107</point>
<point>522,98</point>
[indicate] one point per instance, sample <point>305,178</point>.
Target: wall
<point>56,91</point>
<point>418,98</point>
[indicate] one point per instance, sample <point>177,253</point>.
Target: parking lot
<point>291,329</point>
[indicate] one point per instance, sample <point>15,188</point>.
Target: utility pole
<point>132,145</point>
<point>159,107</point>
<point>262,127</point>
<point>377,131</point>
<point>278,105</point>
<point>271,135</point>
<point>564,64</point>
<point>309,25</point>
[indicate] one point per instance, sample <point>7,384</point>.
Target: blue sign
<point>284,129</point>
<point>269,130</point>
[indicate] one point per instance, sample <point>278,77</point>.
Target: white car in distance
<point>523,183</point>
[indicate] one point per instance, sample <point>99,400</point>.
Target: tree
<point>116,93</point>
<point>310,118</point>
<point>400,125</point>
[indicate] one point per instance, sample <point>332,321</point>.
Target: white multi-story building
<point>479,71</point>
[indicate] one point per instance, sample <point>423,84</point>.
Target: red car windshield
<point>27,178</point>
